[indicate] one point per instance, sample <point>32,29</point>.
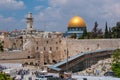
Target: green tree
<point>110,33</point>
<point>116,63</point>
<point>4,77</point>
<point>88,35</point>
<point>99,33</point>
<point>1,46</point>
<point>106,35</point>
<point>116,30</point>
<point>94,31</point>
<point>114,34</point>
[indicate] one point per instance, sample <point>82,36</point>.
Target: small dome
<point>76,21</point>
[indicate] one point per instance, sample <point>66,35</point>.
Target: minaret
<point>29,21</point>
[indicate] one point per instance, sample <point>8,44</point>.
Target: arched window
<point>54,61</point>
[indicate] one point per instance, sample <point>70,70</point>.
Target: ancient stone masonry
<point>86,45</point>
<point>48,47</point>
<point>52,50</point>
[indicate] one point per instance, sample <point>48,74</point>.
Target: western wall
<point>16,57</point>
<point>56,49</point>
<point>86,45</point>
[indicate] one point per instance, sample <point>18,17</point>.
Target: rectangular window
<point>50,48</point>
<point>44,48</point>
<point>37,42</point>
<point>47,42</point>
<point>56,42</point>
<point>56,48</point>
<point>37,48</point>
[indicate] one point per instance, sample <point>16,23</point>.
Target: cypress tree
<point>110,33</point>
<point>106,35</point>
<point>94,30</point>
<point>1,47</point>
<point>118,29</point>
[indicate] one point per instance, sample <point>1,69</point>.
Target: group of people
<point>21,73</point>
<point>2,68</point>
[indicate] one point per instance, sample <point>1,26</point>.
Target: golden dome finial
<point>76,21</point>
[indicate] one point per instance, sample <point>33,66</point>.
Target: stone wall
<point>18,61</point>
<point>50,49</point>
<point>15,55</point>
<point>13,43</point>
<point>86,45</point>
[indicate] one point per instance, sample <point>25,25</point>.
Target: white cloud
<point>11,4</point>
<point>38,7</point>
<point>56,16</point>
<point>55,3</point>
<point>10,23</point>
<point>58,13</point>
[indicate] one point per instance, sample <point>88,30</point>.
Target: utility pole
<point>66,56</point>
<point>42,55</point>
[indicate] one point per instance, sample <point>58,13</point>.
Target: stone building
<point>42,48</point>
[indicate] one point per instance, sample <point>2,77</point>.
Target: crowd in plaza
<point>2,68</point>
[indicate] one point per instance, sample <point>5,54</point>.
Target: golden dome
<point>76,21</point>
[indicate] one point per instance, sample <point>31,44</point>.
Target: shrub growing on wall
<point>116,63</point>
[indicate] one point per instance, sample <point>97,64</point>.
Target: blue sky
<point>54,15</point>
